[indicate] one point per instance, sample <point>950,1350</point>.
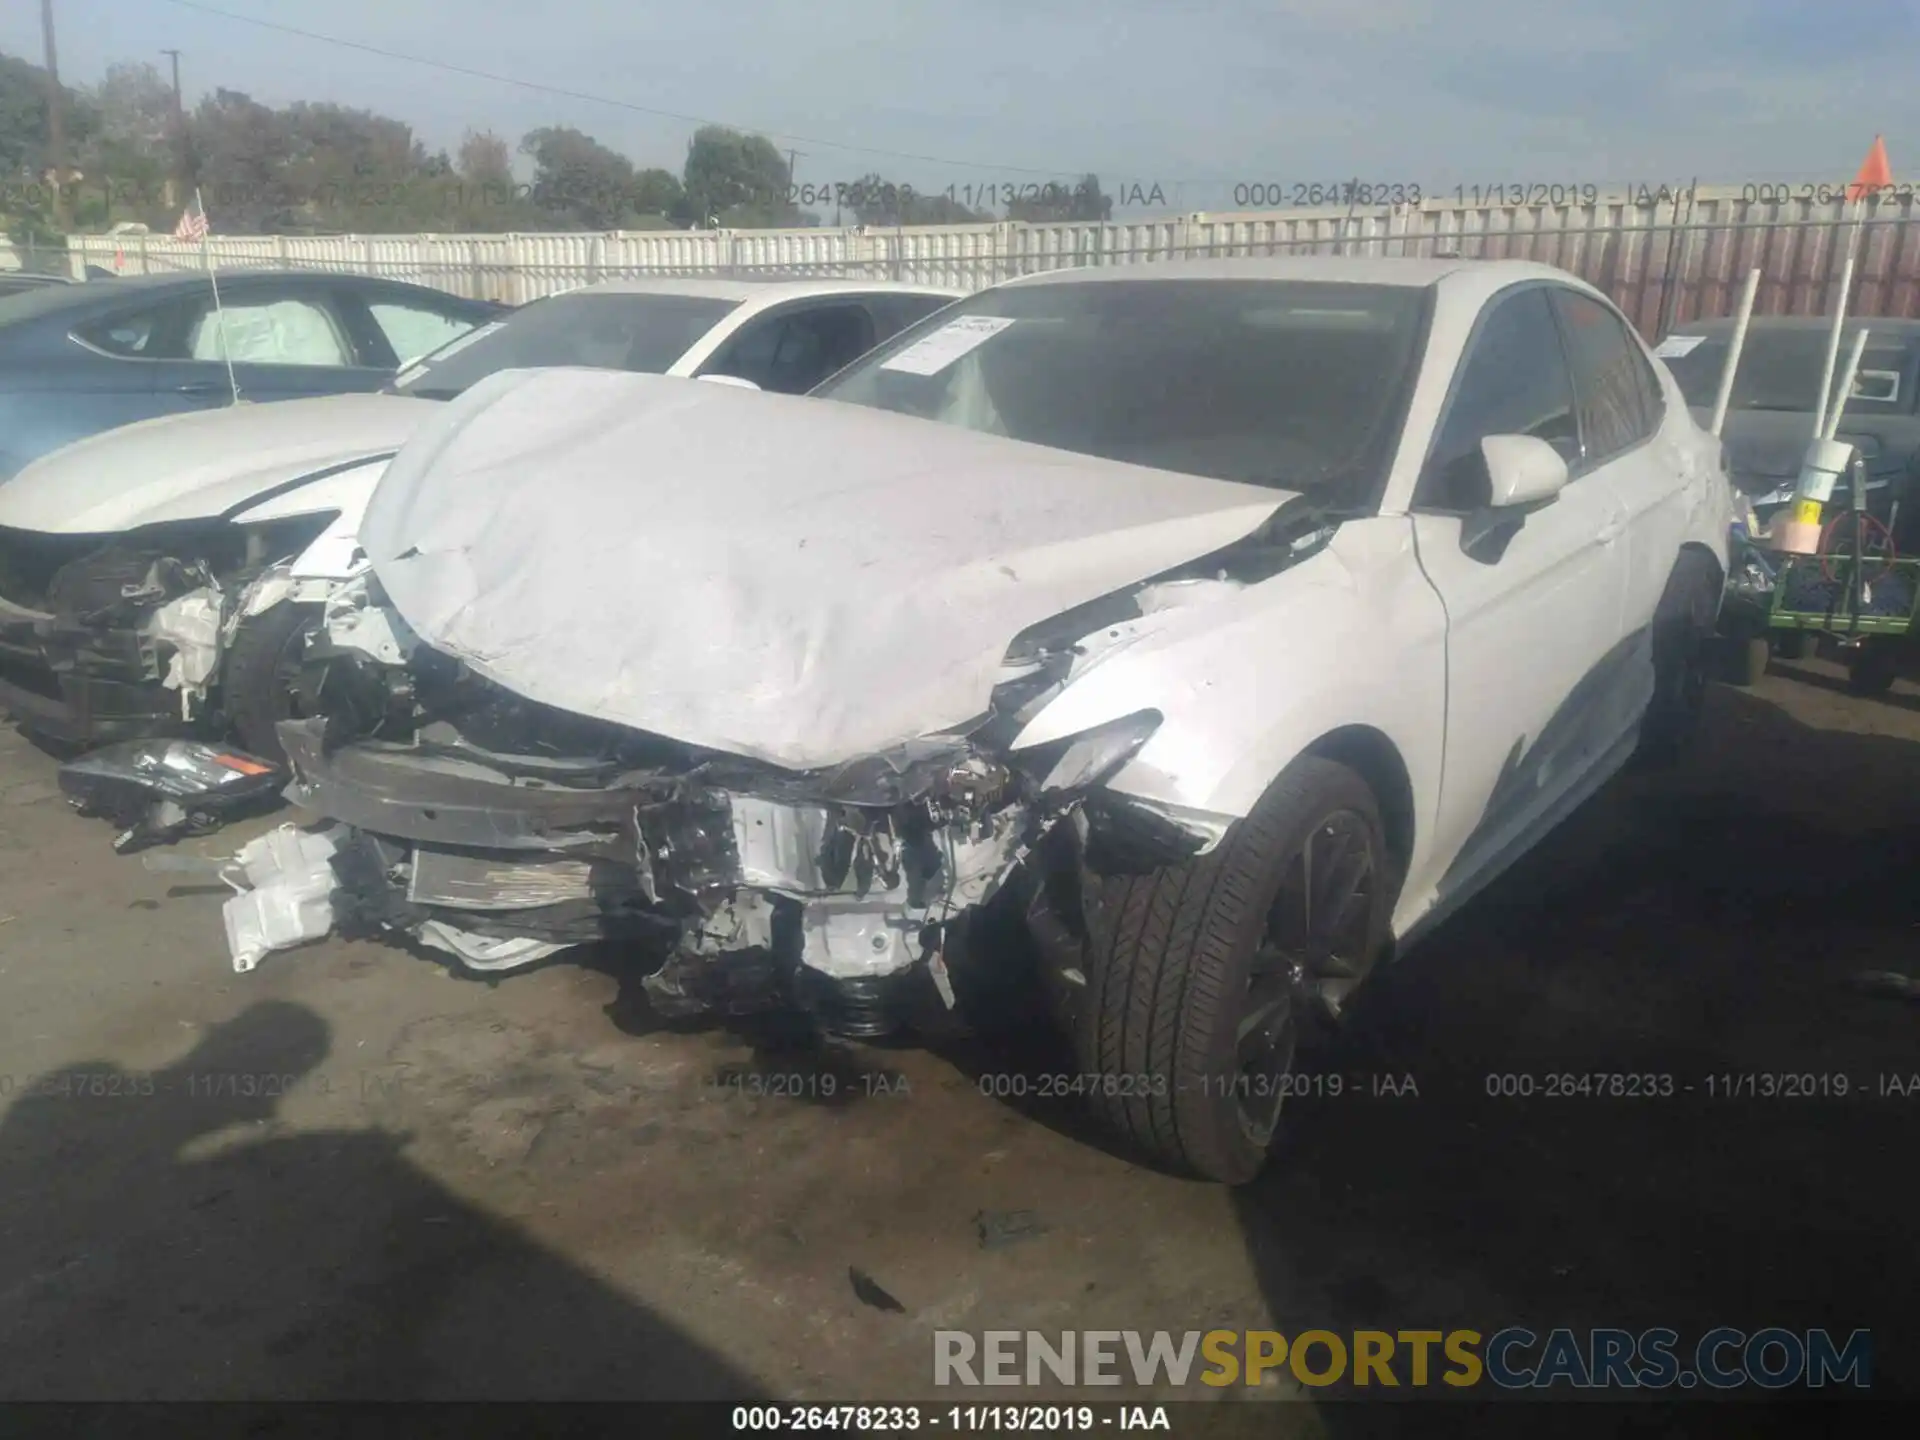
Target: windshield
<point>1279,383</point>
<point>642,333</point>
<point>1780,370</point>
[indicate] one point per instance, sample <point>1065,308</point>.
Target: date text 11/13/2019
<point>1308,195</point>
<point>884,1419</point>
<point>866,193</point>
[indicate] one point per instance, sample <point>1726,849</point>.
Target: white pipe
<point>1725,395</point>
<point>1833,336</point>
<point>1847,377</point>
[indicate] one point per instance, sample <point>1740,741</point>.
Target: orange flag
<point>1875,173</point>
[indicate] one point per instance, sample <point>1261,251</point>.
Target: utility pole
<point>180,164</point>
<point>56,128</point>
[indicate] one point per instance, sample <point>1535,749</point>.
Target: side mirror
<point>1523,474</point>
<point>1522,470</point>
<point>733,380</point>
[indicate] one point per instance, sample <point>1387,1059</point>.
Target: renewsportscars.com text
<point>1514,1358</point>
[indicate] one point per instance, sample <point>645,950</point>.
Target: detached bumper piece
<point>743,898</point>
<point>160,790</point>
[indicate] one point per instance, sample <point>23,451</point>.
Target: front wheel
<point>1205,976</point>
<point>263,665</point>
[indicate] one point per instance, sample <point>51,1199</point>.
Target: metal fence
<point>1663,263</point>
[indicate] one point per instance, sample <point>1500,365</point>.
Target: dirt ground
<point>351,1174</point>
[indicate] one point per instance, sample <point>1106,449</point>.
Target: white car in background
<point>168,573</point>
<point>1222,622</point>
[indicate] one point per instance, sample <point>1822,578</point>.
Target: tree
<point>657,193</point>
<point>358,171</point>
<point>485,159</point>
<point>136,108</point>
<point>23,120</point>
<point>135,151</point>
<point>483,195</point>
<point>579,182</point>
<point>242,151</point>
<point>25,157</point>
<point>1057,203</point>
<point>735,179</point>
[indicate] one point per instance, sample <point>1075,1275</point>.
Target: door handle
<point>1610,531</point>
<point>200,388</point>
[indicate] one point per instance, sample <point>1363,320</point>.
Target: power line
<point>628,105</point>
<point>1197,180</point>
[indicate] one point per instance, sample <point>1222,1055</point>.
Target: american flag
<point>193,223</point>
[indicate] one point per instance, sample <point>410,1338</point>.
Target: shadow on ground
<point>1702,928</point>
<point>165,1237</point>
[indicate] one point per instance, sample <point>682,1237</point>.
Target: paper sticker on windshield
<point>947,344</point>
<point>1674,346</point>
<point>452,347</point>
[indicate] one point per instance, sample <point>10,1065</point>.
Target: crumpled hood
<point>800,581</point>
<point>201,465</point>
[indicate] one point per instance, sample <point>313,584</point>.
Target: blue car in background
<point>77,359</point>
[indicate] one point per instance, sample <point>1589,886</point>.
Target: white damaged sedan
<point>1222,625</point>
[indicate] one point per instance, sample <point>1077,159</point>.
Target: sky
<point>1179,105</point>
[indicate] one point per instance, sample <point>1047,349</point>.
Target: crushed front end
<point>475,821</point>
<point>107,638</point>
<point>511,832</point>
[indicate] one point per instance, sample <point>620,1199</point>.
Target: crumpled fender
<point>1249,681</point>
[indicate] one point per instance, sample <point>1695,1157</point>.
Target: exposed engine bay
<point>475,821</point>
<point>106,638</point>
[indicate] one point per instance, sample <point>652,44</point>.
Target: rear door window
<point>415,330</point>
<point>1609,386</point>
<point>285,331</point>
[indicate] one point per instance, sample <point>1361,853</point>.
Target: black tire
<point>1791,644</point>
<point>1682,648</point>
<point>258,695</point>
<point>1747,660</point>
<point>1172,974</point>
<point>1873,671</point>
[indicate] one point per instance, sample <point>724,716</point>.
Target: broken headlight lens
<point>1083,760</point>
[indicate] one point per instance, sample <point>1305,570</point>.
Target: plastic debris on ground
<point>1000,1228</point>
<point>159,790</point>
<point>283,893</point>
<point>486,952</point>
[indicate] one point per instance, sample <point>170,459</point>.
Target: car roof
<point>768,291</point>
<point>44,300</point>
<point>1321,269</point>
